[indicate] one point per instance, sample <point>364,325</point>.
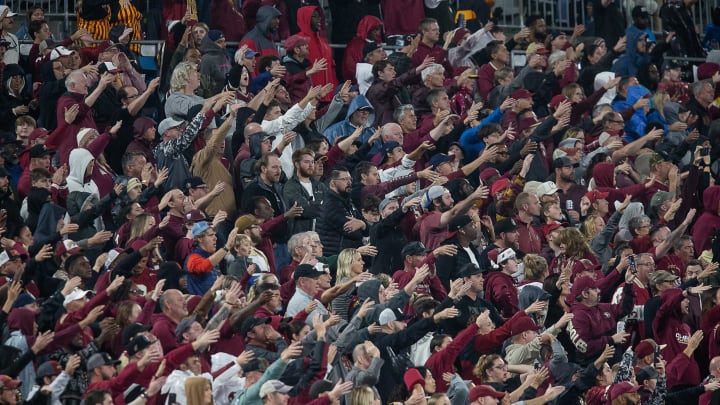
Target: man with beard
<point>267,184</point>
<point>440,210</point>
<point>340,224</point>
<point>319,51</point>
<point>471,304</point>
<point>305,191</point>
<point>528,209</point>
<point>261,38</point>
<point>506,236</point>
<point>567,189</point>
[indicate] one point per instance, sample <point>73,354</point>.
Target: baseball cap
<point>194,216</point>
<point>581,284</point>
<point>249,53</point>
<point>527,123</point>
<point>10,13</point>
<point>480,391</point>
<point>431,194</point>
<point>547,228</point>
<point>505,255</point>
<point>646,347</point>
<point>487,173</point>
<point>23,299</point>
<point>521,93</point>
<point>535,48</point>
<point>306,270</point>
<point>439,159</point>
<point>255,365</point>
<point>130,331</point>
<point>60,51</point>
<point>469,269</point>
<point>458,222</point>
<point>7,381</point>
<point>39,151</point>
<point>370,47</point>
<point>499,185</point>
<point>105,45</point>
<point>640,11</point>
<point>659,198</point>
<point>138,344</point>
<point>294,41</point>
<point>645,373</point>
<point>595,195</point>
<point>622,388</point>
<point>194,182</point>
<point>100,359</point>
<point>661,276</point>
<point>168,123</point>
<point>37,133</point>
<point>523,324</point>
<point>199,228</point>
<point>563,162</point>
<point>49,368</point>
<point>389,147</point>
<point>655,159</point>
<point>271,386</point>
<point>183,327</point>
<point>246,221</point>
<point>546,188</point>
<point>505,225</point>
<point>386,316</point>
<point>414,248</point>
<point>250,323</point>
<point>75,295</point>
<point>67,246</point>
<point>215,35</point>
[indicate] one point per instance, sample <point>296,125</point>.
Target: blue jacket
<point>344,128</point>
<point>630,61</point>
<point>635,128</point>
<point>471,142</point>
<point>199,284</point>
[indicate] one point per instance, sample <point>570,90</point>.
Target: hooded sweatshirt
<point>354,50</point>
<point>628,63</point>
<point>344,127</point>
<point>635,128</point>
<point>709,220</point>
<point>259,38</point>
<point>402,17</point>
<point>21,323</point>
<point>139,143</point>
<point>46,230</point>
<point>670,330</point>
<point>215,63</point>
<point>77,181</point>
<point>318,48</point>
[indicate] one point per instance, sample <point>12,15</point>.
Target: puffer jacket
<point>215,63</point>
<point>330,224</point>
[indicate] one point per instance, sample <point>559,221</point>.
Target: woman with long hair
<point>574,249</point>
<point>363,395</point>
<point>350,264</point>
<point>198,391</point>
<point>142,228</point>
<point>248,261</point>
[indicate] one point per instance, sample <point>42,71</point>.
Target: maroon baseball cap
<point>622,388</point>
<point>481,391</point>
<point>524,324</point>
<point>521,93</point>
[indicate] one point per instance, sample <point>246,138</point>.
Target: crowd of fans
<point>437,228</point>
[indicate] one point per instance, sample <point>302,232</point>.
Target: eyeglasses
<point>616,122</point>
<point>649,264</point>
<point>501,367</point>
<point>343,179</point>
<point>137,292</point>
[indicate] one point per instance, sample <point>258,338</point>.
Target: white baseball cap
<point>9,14</point>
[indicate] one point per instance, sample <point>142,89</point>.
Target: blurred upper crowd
<point>435,210</point>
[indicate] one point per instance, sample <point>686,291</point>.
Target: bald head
<point>392,132</point>
<point>251,128</point>
<point>715,366</point>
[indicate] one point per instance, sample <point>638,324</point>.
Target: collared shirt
<point>299,301</point>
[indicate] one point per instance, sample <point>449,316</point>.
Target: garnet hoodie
<point>708,221</point>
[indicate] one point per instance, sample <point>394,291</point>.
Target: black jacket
<point>294,192</point>
<point>447,267</point>
<point>387,235</point>
<point>335,209</point>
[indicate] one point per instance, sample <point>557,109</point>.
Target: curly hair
<point>484,364</point>
<point>180,76</point>
<point>575,244</point>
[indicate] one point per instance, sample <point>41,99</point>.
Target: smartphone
<point>656,354</point>
<point>461,21</point>
<point>633,268</point>
<point>172,399</point>
<point>705,152</point>
<point>620,326</point>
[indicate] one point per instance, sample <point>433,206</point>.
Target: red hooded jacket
<point>318,48</point>
<point>708,221</point>
<point>354,51</point>
<point>670,330</point>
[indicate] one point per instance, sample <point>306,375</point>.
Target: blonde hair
<point>362,395</point>
<point>569,90</point>
<point>534,267</point>
<point>195,390</point>
<point>181,75</point>
<point>345,260</point>
<point>484,364</point>
<point>137,229</point>
<point>659,102</point>
<point>589,229</point>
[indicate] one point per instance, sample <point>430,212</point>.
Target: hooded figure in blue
<point>360,113</point>
<point>635,55</point>
<point>635,127</point>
